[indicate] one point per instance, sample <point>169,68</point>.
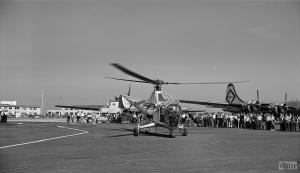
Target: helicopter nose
<point>174,111</point>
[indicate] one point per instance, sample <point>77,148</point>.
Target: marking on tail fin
<point>230,96</point>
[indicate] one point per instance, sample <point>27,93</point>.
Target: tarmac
<point>61,147</point>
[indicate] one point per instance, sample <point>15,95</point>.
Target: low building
<point>8,102</point>
<point>112,107</point>
<point>75,112</point>
<point>54,113</point>
<point>21,110</point>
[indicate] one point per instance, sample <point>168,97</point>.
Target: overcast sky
<point>66,47</point>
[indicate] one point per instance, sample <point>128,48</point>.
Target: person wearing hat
<point>2,116</point>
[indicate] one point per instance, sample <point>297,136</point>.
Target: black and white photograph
<point>151,86</point>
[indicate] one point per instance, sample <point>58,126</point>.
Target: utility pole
<point>42,107</point>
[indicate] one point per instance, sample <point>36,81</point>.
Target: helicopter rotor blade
<point>126,80</point>
<point>156,82</point>
<point>225,82</point>
<point>133,74</point>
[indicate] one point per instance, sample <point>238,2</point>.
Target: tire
<point>135,132</point>
<point>184,132</point>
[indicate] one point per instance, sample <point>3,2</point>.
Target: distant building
<point>112,107</point>
<point>12,108</point>
<point>75,112</point>
<point>54,113</point>
<point>8,102</point>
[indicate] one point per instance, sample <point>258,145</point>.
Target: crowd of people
<point>284,122</point>
<point>287,122</point>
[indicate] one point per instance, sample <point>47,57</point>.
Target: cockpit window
<point>161,98</point>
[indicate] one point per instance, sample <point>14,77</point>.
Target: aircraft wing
<point>212,105</point>
<point>83,107</point>
<point>190,111</point>
<point>187,110</point>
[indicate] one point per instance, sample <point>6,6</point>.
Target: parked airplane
<point>286,107</point>
<point>235,104</point>
<point>294,104</point>
<point>91,107</point>
<point>160,108</point>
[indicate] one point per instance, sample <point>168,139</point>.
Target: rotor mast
<point>158,85</point>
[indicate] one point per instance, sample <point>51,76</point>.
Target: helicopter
<point>163,110</point>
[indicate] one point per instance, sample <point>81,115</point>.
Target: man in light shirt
<point>287,122</point>
<point>268,119</point>
<point>259,121</point>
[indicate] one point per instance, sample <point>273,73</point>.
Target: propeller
<point>257,94</point>
<point>289,107</point>
<point>158,83</point>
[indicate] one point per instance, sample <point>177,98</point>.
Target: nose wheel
<point>136,131</point>
<point>184,132</point>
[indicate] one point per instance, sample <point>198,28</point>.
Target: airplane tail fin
<point>231,95</point>
<point>123,103</point>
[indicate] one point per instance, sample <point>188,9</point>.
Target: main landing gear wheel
<point>150,130</point>
<point>147,131</point>
<point>184,132</point>
<point>136,131</point>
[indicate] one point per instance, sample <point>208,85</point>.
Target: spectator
<point>298,121</point>
<point>272,122</point>
<point>293,123</point>
<point>72,118</point>
<point>287,122</point>
<point>242,120</point>
<point>282,122</point>
<point>78,116</point>
<point>2,116</point>
<point>230,120</point>
<point>213,120</point>
<point>259,121</point>
<point>68,118</point>
<point>269,122</point>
